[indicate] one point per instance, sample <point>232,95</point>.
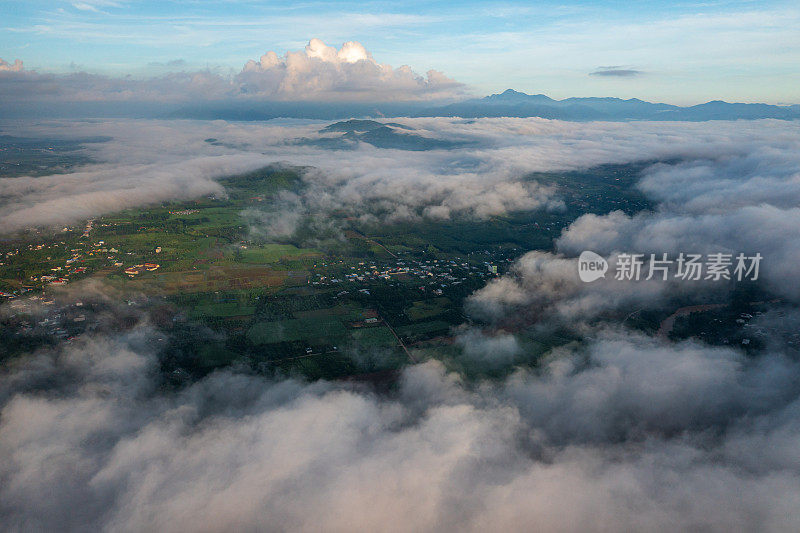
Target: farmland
<point>322,307</point>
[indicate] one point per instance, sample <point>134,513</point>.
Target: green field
<point>266,301</point>
<point>424,309</point>
<point>223,310</point>
<point>416,331</point>
<point>319,329</point>
<point>373,337</point>
<point>272,253</point>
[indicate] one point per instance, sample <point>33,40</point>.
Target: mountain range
<point>509,103</point>
<point>513,103</point>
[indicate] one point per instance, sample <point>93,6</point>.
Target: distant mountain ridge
<point>511,103</point>
<point>346,135</point>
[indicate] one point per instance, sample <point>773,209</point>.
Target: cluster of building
<point>50,270</point>
<point>39,315</point>
<point>440,272</point>
<point>144,267</point>
<point>76,263</point>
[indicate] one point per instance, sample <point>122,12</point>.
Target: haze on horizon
<point>681,53</point>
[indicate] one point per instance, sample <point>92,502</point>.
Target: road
<point>373,241</point>
<point>668,323</point>
<point>400,342</point>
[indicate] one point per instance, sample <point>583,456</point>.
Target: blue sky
<point>678,52</point>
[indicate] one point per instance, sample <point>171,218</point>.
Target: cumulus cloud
<point>626,435</point>
<point>739,197</point>
<point>547,286</point>
<point>322,72</point>
<point>734,203</point>
<point>5,66</point>
<point>319,73</point>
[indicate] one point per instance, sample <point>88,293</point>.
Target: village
<point>57,262</point>
<point>60,262</point>
<point>431,274</point>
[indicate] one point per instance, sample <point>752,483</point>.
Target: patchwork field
<point>321,302</point>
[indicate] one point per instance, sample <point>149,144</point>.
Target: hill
<point>511,103</point>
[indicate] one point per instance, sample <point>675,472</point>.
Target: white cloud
<point>486,176</point>
<point>643,437</point>
<point>94,5</point>
<point>736,191</point>
<point>319,73</point>
<point>323,73</point>
<point>5,66</point>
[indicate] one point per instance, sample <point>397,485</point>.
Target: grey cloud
<point>542,286</point>
<point>318,73</point>
<point>616,72</point>
<point>741,198</point>
<point>644,436</point>
<point>488,351</point>
<point>763,229</point>
<point>58,200</point>
<point>179,64</point>
<point>619,432</point>
<point>30,87</point>
<point>150,161</point>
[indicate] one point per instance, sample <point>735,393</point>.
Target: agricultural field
<point>317,307</point>
<point>21,156</point>
<point>425,309</point>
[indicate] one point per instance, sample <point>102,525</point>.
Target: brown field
<point>217,279</point>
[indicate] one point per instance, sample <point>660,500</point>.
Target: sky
<point>675,52</point>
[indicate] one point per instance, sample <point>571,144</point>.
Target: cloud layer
<point>643,437</point>
<point>618,432</point>
<point>322,72</point>
<point>616,72</point>
<point>319,73</point>
<point>150,161</point>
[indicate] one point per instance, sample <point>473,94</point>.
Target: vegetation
<point>322,310</point>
